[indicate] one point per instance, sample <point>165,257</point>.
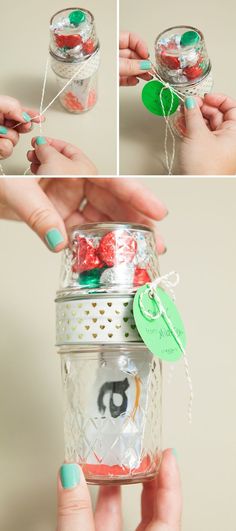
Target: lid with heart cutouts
<point>97,319</point>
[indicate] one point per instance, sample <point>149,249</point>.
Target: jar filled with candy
<point>111,381</point>
<point>182,60</point>
<point>109,257</point>
<point>75,56</point>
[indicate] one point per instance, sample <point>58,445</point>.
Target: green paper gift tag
<point>152,100</point>
<point>156,333</point>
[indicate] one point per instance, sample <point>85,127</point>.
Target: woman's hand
<point>134,62</point>
<point>55,157</point>
<point>161,503</point>
<point>11,114</point>
<point>209,141</point>
<point>52,205</point>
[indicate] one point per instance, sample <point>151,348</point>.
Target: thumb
<point>44,151</point>
<point>194,120</point>
<point>133,67</point>
<point>74,509</point>
<point>27,199</point>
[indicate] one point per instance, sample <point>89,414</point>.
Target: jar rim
<point>69,295</point>
<point>181,26</point>
<point>111,225</point>
<point>72,9</point>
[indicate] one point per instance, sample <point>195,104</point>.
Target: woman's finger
<point>108,514</point>
<point>6,148</point>
<point>223,103</point>
<point>34,168</point>
<point>133,67</point>
<point>32,205</point>
<point>32,157</point>
<point>130,81</point>
<point>66,149</point>
<point>132,193</point>
<point>92,214</point>
<point>10,134</point>
<point>129,54</point>
<point>168,497</point>
<point>133,42</point>
<point>146,77</point>
<point>12,110</point>
<point>74,510</point>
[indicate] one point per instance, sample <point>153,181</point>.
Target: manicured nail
<point>3,130</point>
<point>53,238</point>
<point>174,452</point>
<point>40,140</point>
<point>190,103</point>
<point>26,117</point>
<point>145,65</point>
<point>70,476</point>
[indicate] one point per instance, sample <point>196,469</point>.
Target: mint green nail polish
<point>3,130</point>
<point>53,238</point>
<point>70,476</point>
<point>40,140</point>
<point>145,65</point>
<point>26,117</point>
<point>174,452</point>
<point>190,103</point>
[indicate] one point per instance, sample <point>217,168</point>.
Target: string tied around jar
<point>169,159</point>
<point>168,281</point>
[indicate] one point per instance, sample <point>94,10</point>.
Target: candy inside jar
<point>75,56</point>
<point>73,34</point>
<point>110,257</point>
<point>181,55</point>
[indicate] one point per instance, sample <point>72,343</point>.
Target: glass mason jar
<point>111,381</point>
<point>109,257</point>
<point>112,412</point>
<point>182,60</point>
<point>75,56</point>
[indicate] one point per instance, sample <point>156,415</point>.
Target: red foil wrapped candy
<point>86,256</point>
<point>117,248</point>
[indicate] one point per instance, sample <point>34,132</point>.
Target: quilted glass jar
<point>75,58</point>
<point>109,257</point>
<point>182,60</point>
<point>111,381</point>
<point>112,412</point>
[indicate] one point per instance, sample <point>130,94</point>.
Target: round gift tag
<point>151,317</point>
<point>163,105</point>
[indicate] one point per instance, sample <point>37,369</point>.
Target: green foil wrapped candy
<point>91,278</point>
<point>77,17</point>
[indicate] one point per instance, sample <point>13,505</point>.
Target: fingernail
<point>26,117</point>
<point>70,476</point>
<point>40,140</point>
<point>53,237</point>
<point>3,130</point>
<point>145,65</point>
<point>190,103</point>
<point>165,250</point>
<point>174,452</point>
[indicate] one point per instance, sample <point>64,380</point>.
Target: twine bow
<point>168,128</point>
